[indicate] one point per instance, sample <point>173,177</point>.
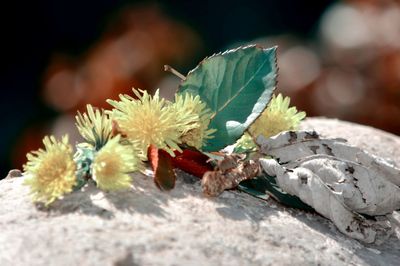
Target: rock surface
<point>145,226</point>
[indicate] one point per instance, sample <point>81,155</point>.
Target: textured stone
<point>145,226</point>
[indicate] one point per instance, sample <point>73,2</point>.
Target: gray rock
<point>145,226</point>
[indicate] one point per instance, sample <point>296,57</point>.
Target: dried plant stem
<point>170,69</point>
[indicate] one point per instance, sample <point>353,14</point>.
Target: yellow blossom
<point>149,120</point>
<point>277,117</point>
<point>245,144</point>
<point>112,163</point>
<point>191,109</point>
<point>94,126</point>
<point>51,171</point>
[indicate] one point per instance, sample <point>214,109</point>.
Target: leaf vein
<point>241,89</point>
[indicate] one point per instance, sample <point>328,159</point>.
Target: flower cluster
<point>107,155</point>
<point>151,120</point>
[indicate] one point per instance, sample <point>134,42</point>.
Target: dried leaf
<point>341,182</point>
<point>161,163</point>
<point>230,171</point>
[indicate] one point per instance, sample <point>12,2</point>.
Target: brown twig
<point>170,69</point>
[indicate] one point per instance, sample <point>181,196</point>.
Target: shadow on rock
<point>241,206</point>
<point>79,201</point>
<point>144,198</point>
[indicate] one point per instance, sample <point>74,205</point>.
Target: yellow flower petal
<point>245,144</point>
<point>51,171</point>
<point>193,111</point>
<point>94,126</point>
<point>112,164</point>
<point>277,117</point>
<point>149,120</point>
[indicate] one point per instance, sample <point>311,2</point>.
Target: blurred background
<point>337,59</point>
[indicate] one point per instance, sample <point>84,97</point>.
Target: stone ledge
<point>145,226</point>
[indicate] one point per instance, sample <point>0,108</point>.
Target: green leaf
<point>83,157</point>
<point>264,186</point>
<point>236,85</point>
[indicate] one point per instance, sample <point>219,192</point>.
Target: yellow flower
<point>112,163</point>
<point>191,110</point>
<point>277,117</point>
<point>245,144</point>
<point>51,171</point>
<point>94,126</point>
<point>149,120</point>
